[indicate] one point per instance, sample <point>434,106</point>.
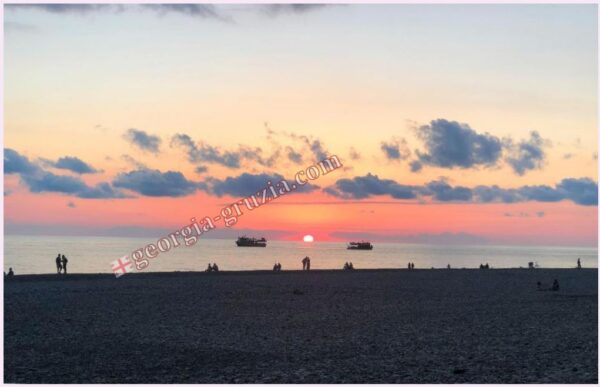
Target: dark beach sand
<point>371,326</point>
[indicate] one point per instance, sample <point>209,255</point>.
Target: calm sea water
<point>33,255</point>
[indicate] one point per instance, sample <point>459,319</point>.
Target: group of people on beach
<point>554,288</point>
<point>348,266</point>
<point>411,266</point>
<point>61,264</point>
<point>277,266</point>
<point>486,266</point>
<point>212,268</point>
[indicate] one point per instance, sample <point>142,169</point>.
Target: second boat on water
<point>360,246</point>
<point>245,241</point>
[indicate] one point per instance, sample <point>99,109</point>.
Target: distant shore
<point>322,326</point>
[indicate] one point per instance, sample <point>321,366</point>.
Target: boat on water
<point>360,246</point>
<point>245,241</point>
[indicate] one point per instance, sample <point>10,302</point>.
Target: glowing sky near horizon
<point>352,78</point>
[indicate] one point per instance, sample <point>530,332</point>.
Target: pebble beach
<point>322,326</point>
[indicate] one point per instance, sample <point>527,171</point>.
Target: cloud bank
<point>582,191</point>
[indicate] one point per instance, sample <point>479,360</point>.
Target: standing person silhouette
<point>307,263</point>
<point>578,263</point>
<point>64,264</point>
<point>58,264</point>
<point>304,263</point>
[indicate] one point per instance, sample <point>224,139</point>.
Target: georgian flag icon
<point>122,266</point>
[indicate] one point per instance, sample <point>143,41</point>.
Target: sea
<point>36,255</point>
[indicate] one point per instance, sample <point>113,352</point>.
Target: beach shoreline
<point>321,326</point>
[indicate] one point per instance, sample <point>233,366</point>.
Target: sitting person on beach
<point>215,267</point>
<point>555,286</point>
<point>10,272</point>
<point>346,266</point>
<point>278,266</point>
<point>350,266</point>
<point>209,268</point>
<point>58,264</point>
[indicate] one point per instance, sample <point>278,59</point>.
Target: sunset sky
<point>455,124</point>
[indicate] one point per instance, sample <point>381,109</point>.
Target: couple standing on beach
<point>306,263</point>
<point>61,264</point>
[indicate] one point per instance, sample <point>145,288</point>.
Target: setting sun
<point>308,238</point>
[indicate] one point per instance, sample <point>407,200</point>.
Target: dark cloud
<point>293,156</point>
<point>15,163</point>
<point>200,169</point>
<point>581,191</point>
<point>527,155</point>
<point>204,11</point>
<point>204,153</point>
<point>150,182</point>
<point>278,9</point>
<point>361,187</point>
<point>67,8</point>
<point>143,140</point>
<point>194,10</point>
<point>443,192</point>
<point>488,194</point>
<point>39,180</point>
<point>449,144</point>
<point>72,164</point>
<point>416,166</point>
<point>395,149</point>
<point>247,184</point>
<point>43,181</point>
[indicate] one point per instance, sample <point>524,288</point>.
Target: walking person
<point>578,263</point>
<point>64,264</point>
<point>58,264</point>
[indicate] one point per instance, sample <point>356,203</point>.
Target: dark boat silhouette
<point>360,246</point>
<point>245,241</point>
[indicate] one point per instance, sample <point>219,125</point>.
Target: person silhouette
<point>304,263</point>
<point>278,266</point>
<point>209,268</point>
<point>64,261</point>
<point>307,263</point>
<point>58,264</point>
<point>215,267</point>
<point>578,263</point>
<point>10,272</point>
<point>350,266</point>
